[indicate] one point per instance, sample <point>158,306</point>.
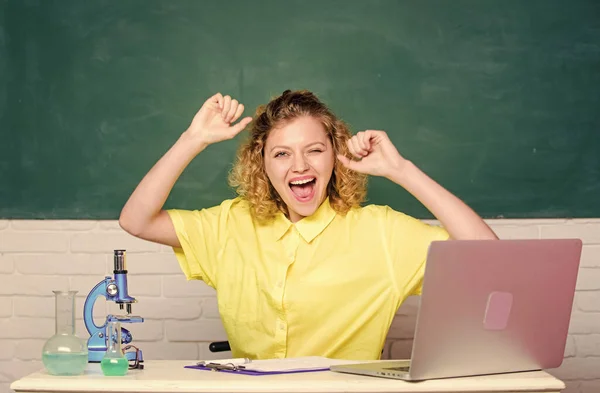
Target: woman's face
<point>299,160</point>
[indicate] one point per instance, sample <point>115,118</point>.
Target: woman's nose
<point>300,164</point>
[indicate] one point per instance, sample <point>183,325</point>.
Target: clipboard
<point>268,366</point>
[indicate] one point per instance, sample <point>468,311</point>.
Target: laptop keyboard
<point>403,368</point>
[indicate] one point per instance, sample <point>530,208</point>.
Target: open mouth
<point>303,189</point>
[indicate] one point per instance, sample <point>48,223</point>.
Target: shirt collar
<point>308,227</point>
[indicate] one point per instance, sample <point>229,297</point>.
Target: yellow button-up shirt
<point>327,285</point>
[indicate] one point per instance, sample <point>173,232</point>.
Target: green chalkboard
<point>498,100</point>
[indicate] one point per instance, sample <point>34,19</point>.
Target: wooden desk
<point>169,376</point>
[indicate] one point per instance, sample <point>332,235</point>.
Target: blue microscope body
<point>113,289</point>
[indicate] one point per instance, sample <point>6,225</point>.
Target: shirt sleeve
<point>201,235</point>
<point>408,241</point>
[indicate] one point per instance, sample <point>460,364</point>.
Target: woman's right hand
<point>214,121</point>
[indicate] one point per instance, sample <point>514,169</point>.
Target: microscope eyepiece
<point>120,265</point>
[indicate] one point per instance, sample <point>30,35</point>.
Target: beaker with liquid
<point>64,353</point>
<point>114,362</point>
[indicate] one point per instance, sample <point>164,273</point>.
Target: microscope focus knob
<point>112,289</point>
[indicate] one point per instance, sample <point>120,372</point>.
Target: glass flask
<point>64,353</point>
<point>114,362</point>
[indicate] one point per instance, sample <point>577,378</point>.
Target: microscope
<point>113,289</point>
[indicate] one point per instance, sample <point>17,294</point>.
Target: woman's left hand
<point>376,155</point>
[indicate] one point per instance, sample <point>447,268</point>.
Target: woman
<point>300,268</point>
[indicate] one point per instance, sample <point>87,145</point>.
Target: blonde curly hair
<point>346,188</point>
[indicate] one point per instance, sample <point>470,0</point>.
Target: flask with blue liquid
<point>64,353</point>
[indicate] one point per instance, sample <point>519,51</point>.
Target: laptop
<point>488,307</point>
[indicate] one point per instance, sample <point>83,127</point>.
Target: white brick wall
<point>181,317</point>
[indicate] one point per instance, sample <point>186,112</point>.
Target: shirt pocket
<point>242,319</point>
<point>238,292</point>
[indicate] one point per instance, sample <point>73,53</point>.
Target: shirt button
<point>279,284</point>
<point>280,324</point>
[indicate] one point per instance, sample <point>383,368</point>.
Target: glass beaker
<point>64,353</point>
<point>114,362</point>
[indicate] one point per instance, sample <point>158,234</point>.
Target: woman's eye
<point>280,154</point>
<point>316,151</point>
